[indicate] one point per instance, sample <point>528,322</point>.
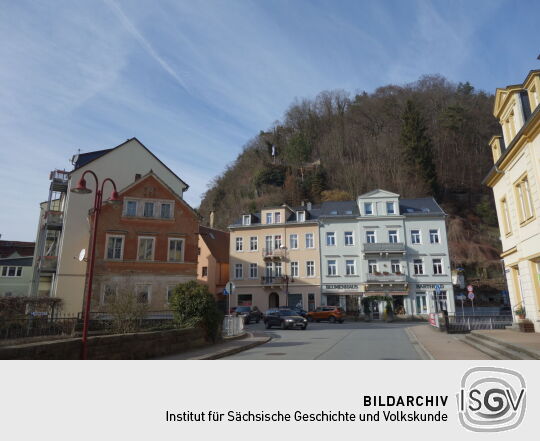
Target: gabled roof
<point>217,242</point>
<point>83,159</point>
<point>339,208</point>
<point>378,193</point>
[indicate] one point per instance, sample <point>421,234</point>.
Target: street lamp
<point>81,188</point>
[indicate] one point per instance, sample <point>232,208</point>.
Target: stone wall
<point>110,347</point>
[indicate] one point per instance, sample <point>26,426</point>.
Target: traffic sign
<point>438,289</point>
<point>461,297</point>
<point>229,289</point>
<point>470,288</point>
<point>471,295</point>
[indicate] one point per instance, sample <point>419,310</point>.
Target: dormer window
<point>246,219</point>
<point>148,209</point>
<point>131,208</point>
<point>368,208</point>
<point>269,218</point>
<point>300,216</point>
<point>277,217</point>
<point>390,208</point>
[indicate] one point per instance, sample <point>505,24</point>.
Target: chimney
<point>212,219</point>
<point>137,176</point>
<point>309,206</point>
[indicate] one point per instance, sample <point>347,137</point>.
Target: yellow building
<point>274,258</point>
<point>515,180</point>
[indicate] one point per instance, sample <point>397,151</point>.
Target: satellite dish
<point>82,255</point>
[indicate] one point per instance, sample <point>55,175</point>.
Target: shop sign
<point>341,287</point>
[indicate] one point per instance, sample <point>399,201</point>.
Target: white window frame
<point>17,272</point>
<point>253,274</point>
<point>419,237</point>
<point>170,210</point>
<point>236,267</point>
<point>269,217</point>
<point>390,236</point>
<point>149,285</point>
<point>239,244</point>
<point>126,211</point>
<point>393,205</point>
<point>393,263</point>
<point>295,235</point>
<point>139,248</point>
<point>368,235</point>
<point>167,299</point>
<point>104,289</point>
<point>278,269</point>
<point>114,236</point>
<point>300,216</point>
<point>373,266</point>
<point>310,263</point>
<point>277,217</point>
<point>370,204</point>
<point>295,269</point>
<point>441,267</point>
<point>330,237</point>
<point>414,262</point>
<point>334,266</point>
<point>349,266</point>
<point>434,233</point>
<point>246,219</point>
<point>312,236</point>
<point>277,245</point>
<point>346,236</point>
<point>153,209</point>
<point>170,239</point>
<point>252,242</point>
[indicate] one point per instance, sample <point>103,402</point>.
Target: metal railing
<point>464,324</point>
<point>271,280</point>
<point>280,253</point>
<point>387,247</point>
<point>397,278</point>
<point>37,326</point>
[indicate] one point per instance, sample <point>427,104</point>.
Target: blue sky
<point>195,80</point>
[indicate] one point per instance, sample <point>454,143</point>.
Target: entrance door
<point>375,310</point>
<point>421,304</point>
<point>273,300</point>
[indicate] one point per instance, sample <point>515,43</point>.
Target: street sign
<point>470,288</point>
<point>229,289</point>
<point>471,295</point>
<point>461,297</point>
<point>438,289</point>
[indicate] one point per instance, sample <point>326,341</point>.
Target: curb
<point>226,352</point>
<point>418,346</point>
<point>533,354</point>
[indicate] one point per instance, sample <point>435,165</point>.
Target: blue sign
<point>438,289</point>
<point>225,292</point>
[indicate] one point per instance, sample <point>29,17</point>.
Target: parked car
<point>301,312</point>
<point>331,313</point>
<point>249,314</point>
<point>284,318</point>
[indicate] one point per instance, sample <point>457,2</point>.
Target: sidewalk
<point>528,343</point>
<point>221,350</point>
<point>443,346</point>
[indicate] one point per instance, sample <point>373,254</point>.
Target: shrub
<point>194,306</point>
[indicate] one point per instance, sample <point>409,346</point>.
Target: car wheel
<point>283,325</point>
<point>341,321</point>
<point>267,325</point>
<point>332,319</point>
<point>309,318</point>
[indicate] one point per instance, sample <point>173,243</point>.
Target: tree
<point>335,195</point>
<point>194,306</point>
<point>417,146</point>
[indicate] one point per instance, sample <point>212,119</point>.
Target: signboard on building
<point>342,287</point>
<point>429,286</point>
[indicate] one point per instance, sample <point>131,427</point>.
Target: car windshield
<point>287,312</point>
<point>243,309</point>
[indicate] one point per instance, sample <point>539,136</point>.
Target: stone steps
<point>494,348</point>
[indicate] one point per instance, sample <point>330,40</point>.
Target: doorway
<point>273,300</point>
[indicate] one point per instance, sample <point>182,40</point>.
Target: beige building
<point>515,180</point>
<point>274,258</point>
<point>213,260</point>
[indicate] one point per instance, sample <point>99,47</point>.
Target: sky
<point>196,80</point>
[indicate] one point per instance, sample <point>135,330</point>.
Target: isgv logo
<point>491,399</point>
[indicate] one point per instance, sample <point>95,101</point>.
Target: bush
<point>194,306</point>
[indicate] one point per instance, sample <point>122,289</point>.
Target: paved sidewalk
<point>526,341</point>
<point>221,350</point>
<point>443,346</point>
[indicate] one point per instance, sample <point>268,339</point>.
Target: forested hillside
<point>425,138</point>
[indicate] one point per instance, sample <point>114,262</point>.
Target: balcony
<point>271,280</point>
<point>384,248</point>
<point>54,220</point>
<point>391,290</point>
<point>48,264</point>
<point>386,278</point>
<point>275,254</point>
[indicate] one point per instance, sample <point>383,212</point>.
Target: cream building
<point>515,180</point>
<point>274,258</point>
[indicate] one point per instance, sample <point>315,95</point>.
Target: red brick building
<point>145,246</point>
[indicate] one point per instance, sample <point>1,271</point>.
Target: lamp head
<point>114,199</point>
<point>81,187</point>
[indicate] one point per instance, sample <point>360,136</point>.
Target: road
<point>335,341</point>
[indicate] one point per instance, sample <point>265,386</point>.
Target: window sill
<point>527,221</point>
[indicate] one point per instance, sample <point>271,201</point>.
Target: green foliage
<point>335,195</point>
<point>194,306</point>
<point>486,211</point>
<point>315,184</point>
<point>465,88</point>
<point>297,151</point>
<point>417,146</point>
<point>270,175</point>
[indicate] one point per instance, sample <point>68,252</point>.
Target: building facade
<point>515,180</point>
<point>15,268</point>
<point>213,260</point>
<point>145,246</point>
<point>274,258</point>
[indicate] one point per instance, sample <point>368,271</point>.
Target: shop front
<point>345,295</point>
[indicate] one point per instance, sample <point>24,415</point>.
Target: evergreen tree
<point>417,145</point>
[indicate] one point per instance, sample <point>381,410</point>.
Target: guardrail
<point>463,325</point>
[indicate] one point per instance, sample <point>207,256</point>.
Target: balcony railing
<point>386,278</point>
<point>271,280</point>
<point>49,263</point>
<point>274,253</point>
<point>394,247</point>
<point>54,219</point>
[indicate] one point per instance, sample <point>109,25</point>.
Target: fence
<point>233,325</point>
<point>463,325</point>
<point>40,326</point>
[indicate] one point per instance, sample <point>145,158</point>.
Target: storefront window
<point>245,299</point>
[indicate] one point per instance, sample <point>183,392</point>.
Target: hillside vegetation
<point>425,138</point>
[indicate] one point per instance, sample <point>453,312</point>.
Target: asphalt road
<point>335,341</point>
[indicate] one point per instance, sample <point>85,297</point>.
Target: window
<point>268,269</point>
<point>507,224</point>
<point>11,271</point>
<point>310,268</point>
<point>148,209</point>
<point>437,266</point>
<point>131,208</point>
<point>277,217</point>
<point>253,243</point>
<point>415,236</point>
<point>204,271</point>
<point>176,250</point>
<point>239,244</point>
<point>115,247</point>
<point>330,239</point>
<point>109,294</point>
<point>332,268</point>
<point>524,199</point>
<point>293,241</point>
<point>390,208</point>
<point>238,271</point>
<point>143,293</point>
<point>350,267</point>
<point>245,300</point>
<point>396,267</point>
<point>349,238</point>
<point>372,267</point>
<point>392,236</point>
<point>170,293</point>
<point>418,266</point>
<point>146,248</point>
<point>277,269</point>
<point>370,237</point>
<point>268,218</point>
<point>300,216</point>
<point>277,242</point>
<point>309,240</point>
<point>294,269</point>
<point>165,211</point>
<point>253,271</point>
<point>368,208</point>
<point>434,236</point>
<point>246,219</point>
<point>268,241</point>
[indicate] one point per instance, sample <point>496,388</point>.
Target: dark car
<point>285,319</point>
<point>301,312</point>
<point>249,314</point>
